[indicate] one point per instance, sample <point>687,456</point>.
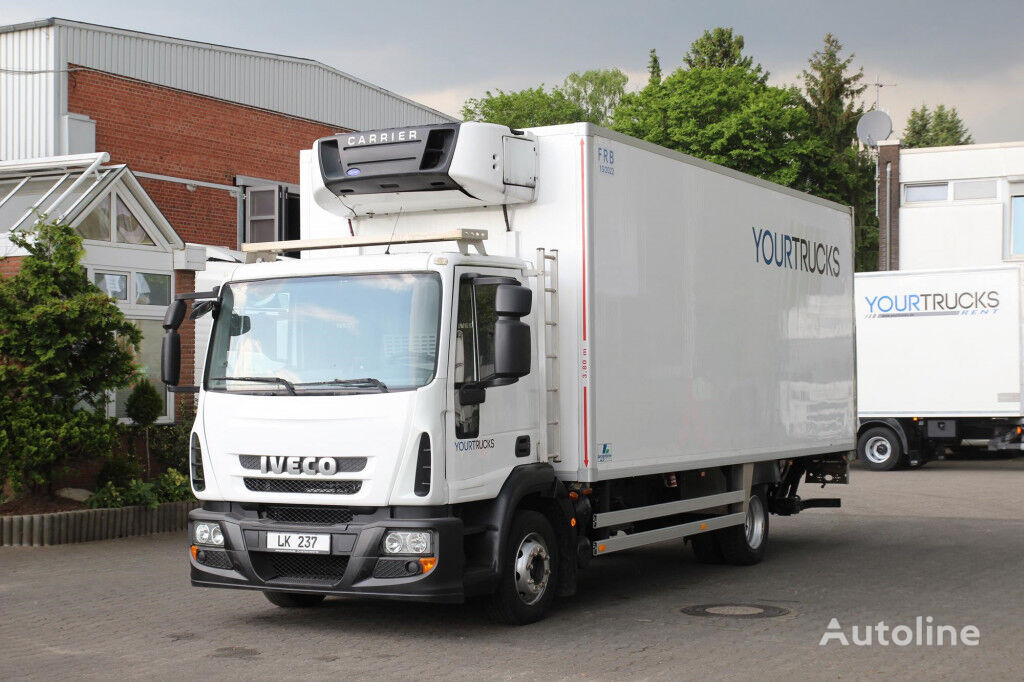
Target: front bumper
<point>352,568</point>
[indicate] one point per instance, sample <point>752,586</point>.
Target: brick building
<point>207,135</point>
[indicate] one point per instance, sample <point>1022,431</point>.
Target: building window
<point>920,193</point>
<point>113,219</point>
<point>1017,224</point>
<point>975,189</point>
<point>271,213</point>
<point>152,289</point>
<point>148,357</point>
<point>113,284</point>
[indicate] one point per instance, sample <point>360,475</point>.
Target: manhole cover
<point>734,611</point>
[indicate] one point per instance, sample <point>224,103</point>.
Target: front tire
<point>529,574</point>
<point>294,600</point>
<point>880,449</point>
<point>745,545</point>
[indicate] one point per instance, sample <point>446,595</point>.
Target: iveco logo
<point>298,465</point>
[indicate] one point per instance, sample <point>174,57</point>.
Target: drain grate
<point>734,611</point>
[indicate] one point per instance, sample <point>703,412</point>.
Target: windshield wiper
<point>367,381</point>
<point>263,380</point>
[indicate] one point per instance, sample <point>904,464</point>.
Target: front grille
<point>343,465</point>
<point>214,558</point>
<point>291,485</point>
<point>282,566</point>
<point>322,516</point>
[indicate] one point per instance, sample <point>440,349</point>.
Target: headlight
<point>208,533</point>
<point>407,542</point>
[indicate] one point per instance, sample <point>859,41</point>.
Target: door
<point>486,441</point>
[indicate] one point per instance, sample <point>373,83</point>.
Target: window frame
<point>159,243</point>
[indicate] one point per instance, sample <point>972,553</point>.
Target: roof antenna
<point>387,251</point>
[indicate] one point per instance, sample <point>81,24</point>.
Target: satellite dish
<point>873,127</point>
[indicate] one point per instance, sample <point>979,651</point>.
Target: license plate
<point>303,543</point>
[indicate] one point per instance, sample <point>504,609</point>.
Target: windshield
<point>332,334</point>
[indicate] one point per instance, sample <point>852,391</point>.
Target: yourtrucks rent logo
<point>933,303</point>
<point>795,253</point>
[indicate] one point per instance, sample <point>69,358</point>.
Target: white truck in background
<point>939,361</point>
<point>505,353</point>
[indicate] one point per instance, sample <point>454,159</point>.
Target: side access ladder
<point>547,290</point>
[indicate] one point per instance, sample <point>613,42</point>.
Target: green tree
<point>831,94</point>
<point>596,92</point>
<point>589,96</point>
<point>654,69</point>
<point>832,90</point>
<point>728,116</point>
<point>939,128</point>
<point>63,345</point>
<point>523,108</point>
<point>144,406</point>
<point>720,48</point>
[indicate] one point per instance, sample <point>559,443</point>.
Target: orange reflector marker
<point>572,522</point>
<point>703,526</point>
<point>573,495</point>
<point>601,548</point>
<point>587,491</point>
<point>194,550</point>
<point>428,563</point>
<point>1020,430</point>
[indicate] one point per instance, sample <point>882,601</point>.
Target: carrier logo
<point>937,303</point>
<point>468,445</point>
<point>795,253</point>
<point>381,138</point>
<point>298,465</point>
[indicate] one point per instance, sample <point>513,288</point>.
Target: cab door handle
<point>523,446</point>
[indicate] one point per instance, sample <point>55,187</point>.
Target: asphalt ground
<point>945,541</point>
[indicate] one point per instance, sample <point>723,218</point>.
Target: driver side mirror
<point>512,354</point>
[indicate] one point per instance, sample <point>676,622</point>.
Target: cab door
<point>486,441</point>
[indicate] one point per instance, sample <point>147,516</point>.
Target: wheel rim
<point>533,568</point>
<point>878,450</point>
<point>754,523</point>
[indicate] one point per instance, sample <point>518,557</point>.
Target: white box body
<point>679,347</point>
<point>960,357</point>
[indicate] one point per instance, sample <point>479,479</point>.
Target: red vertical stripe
<point>583,235</point>
<point>586,445</point>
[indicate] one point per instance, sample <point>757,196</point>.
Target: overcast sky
<point>963,53</point>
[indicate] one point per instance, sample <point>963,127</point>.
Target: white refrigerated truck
<point>503,353</point>
<point>938,362</point>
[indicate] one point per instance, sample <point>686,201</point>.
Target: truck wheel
<point>745,545</point>
<point>291,600</point>
<point>530,573</point>
<point>880,449</point>
<point>706,549</point>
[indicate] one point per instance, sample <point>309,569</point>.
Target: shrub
<point>169,443</point>
<point>64,345</point>
<point>106,496</point>
<point>140,493</point>
<point>118,470</point>
<point>144,404</point>
<point>172,486</point>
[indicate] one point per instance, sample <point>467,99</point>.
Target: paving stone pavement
<point>946,541</point>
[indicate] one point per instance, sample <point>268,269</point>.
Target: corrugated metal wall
<point>28,101</point>
<point>292,86</point>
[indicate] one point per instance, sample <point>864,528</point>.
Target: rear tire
<point>529,575</point>
<point>745,545</point>
<point>294,600</point>
<point>880,449</point>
